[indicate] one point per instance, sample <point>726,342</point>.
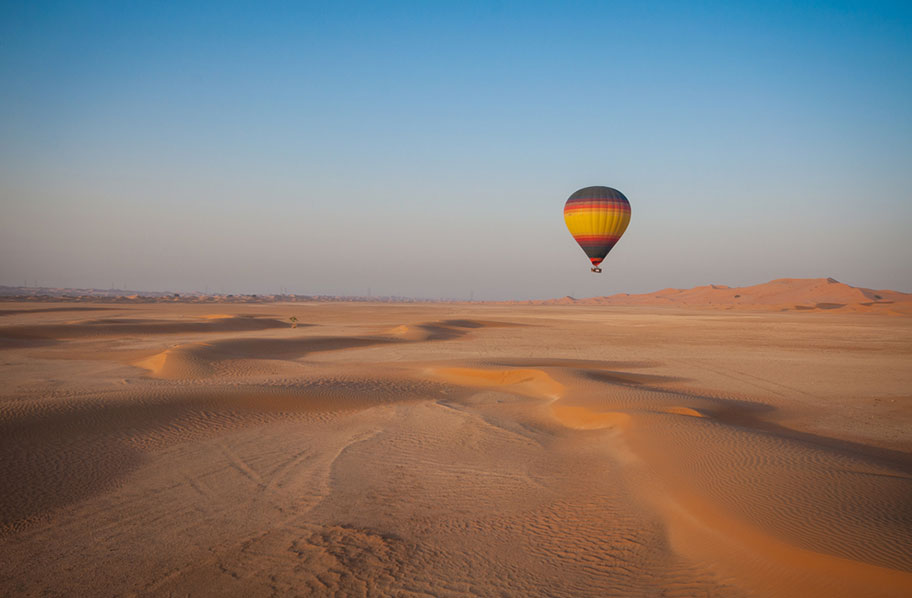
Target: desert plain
<point>453,450</point>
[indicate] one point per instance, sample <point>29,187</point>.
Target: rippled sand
<point>453,450</point>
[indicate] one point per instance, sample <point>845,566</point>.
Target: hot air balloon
<point>597,217</point>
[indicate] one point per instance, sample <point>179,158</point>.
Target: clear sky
<point>426,149</point>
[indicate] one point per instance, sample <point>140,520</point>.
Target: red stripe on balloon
<point>597,238</point>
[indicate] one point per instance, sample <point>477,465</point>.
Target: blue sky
<point>426,149</point>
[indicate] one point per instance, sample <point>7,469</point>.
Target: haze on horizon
<point>423,149</point>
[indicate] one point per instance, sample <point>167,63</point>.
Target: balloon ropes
<point>597,217</point>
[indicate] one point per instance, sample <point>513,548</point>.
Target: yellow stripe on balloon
<point>597,221</point>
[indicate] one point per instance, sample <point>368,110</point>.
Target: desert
<point>453,449</point>
<point>456,299</point>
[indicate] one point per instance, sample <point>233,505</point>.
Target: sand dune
<point>182,361</point>
<point>442,330</point>
<point>521,381</point>
<point>784,294</point>
<point>459,451</point>
<point>850,557</point>
<point>199,360</point>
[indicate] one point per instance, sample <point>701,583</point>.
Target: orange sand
<point>454,450</point>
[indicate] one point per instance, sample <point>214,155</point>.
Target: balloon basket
<point>597,270</point>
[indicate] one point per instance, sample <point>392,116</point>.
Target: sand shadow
<point>443,330</point>
<point>11,312</point>
<point>26,343</point>
<point>127,326</point>
<point>753,416</point>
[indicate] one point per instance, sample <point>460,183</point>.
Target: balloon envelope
<point>597,217</point>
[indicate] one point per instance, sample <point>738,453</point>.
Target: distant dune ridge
<point>86,295</point>
<point>782,294</point>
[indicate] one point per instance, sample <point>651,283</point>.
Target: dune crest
<point>180,362</point>
<point>686,411</point>
<point>529,382</point>
<point>580,418</point>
